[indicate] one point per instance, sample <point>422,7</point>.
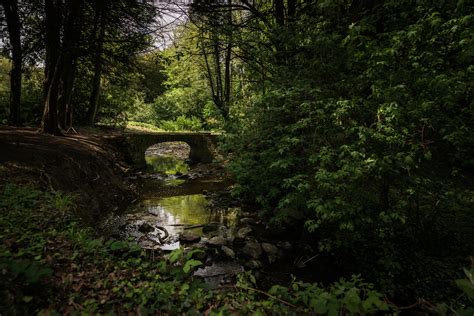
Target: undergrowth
<point>51,264</point>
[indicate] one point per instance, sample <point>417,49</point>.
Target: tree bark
<point>291,9</point>
<point>279,12</point>
<point>14,31</point>
<point>49,123</point>
<point>228,68</point>
<point>280,53</point>
<point>72,35</point>
<point>98,68</point>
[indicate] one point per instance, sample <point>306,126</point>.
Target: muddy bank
<point>83,165</point>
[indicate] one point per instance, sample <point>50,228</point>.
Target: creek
<point>191,207</point>
<point>184,206</point>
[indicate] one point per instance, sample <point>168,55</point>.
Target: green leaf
<point>467,287</point>
<point>27,299</point>
<point>175,255</point>
<point>118,245</point>
<point>191,264</point>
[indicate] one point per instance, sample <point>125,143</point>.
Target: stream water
<point>177,199</point>
<point>191,207</point>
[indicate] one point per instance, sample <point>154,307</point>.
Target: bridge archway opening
<point>170,158</point>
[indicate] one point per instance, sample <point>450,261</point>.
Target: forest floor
<point>84,165</point>
<point>50,262</point>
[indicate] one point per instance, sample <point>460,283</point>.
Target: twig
<point>166,234</point>
<point>259,291</point>
<point>194,226</point>
<point>421,302</point>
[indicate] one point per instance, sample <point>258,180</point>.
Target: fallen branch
<point>259,291</point>
<point>194,226</point>
<point>166,234</point>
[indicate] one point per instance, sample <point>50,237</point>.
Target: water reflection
<point>166,164</point>
<point>177,213</point>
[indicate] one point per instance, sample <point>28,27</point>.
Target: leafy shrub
<point>367,145</point>
<point>182,123</point>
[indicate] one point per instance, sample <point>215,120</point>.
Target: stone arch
<point>202,145</point>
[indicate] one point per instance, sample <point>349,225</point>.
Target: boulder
<point>211,227</point>
<point>252,249</point>
<point>273,253</point>
<point>248,214</point>
<point>285,245</point>
<point>189,237</point>
<point>223,231</point>
<point>243,232</point>
<point>217,241</point>
<point>248,220</point>
<point>145,228</point>
<point>270,249</point>
<point>253,264</point>
<point>228,252</point>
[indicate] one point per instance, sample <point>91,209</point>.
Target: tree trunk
<point>228,68</point>
<point>279,12</point>
<point>280,53</point>
<point>49,123</point>
<point>72,35</point>
<point>291,9</point>
<point>227,77</point>
<point>98,67</point>
<point>14,31</point>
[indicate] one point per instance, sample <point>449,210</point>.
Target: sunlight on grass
<point>143,127</point>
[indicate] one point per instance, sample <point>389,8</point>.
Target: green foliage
<point>51,264</point>
<point>61,202</point>
<point>363,138</point>
<point>31,94</point>
<point>4,89</point>
<point>143,126</point>
<point>186,104</point>
<point>182,123</point>
<point>352,297</point>
<point>467,284</point>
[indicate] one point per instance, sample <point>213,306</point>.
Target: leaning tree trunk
<point>14,31</point>
<point>50,123</point>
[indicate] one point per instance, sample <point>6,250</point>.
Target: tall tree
<point>12,16</point>
<point>50,122</point>
<point>63,29</point>
<point>216,42</point>
<point>120,30</point>
<point>72,34</point>
<point>99,35</point>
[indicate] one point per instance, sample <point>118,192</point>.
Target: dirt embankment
<point>84,165</point>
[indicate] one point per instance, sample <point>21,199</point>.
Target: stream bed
<point>178,208</point>
<point>191,207</point>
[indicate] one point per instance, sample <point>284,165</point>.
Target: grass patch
<point>143,127</point>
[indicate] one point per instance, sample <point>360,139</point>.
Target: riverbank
<point>51,261</point>
<point>54,188</point>
<point>52,264</point>
<point>82,165</point>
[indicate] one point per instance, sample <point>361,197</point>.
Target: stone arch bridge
<point>203,145</point>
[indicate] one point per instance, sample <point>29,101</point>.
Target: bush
<point>368,144</point>
<point>182,123</point>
